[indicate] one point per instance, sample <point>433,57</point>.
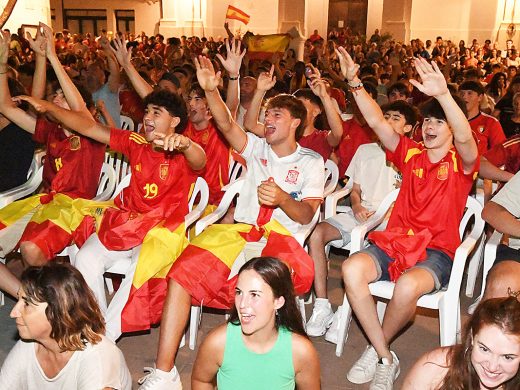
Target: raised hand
<point>266,80</point>
<point>5,40</point>
<point>49,39</point>
<point>349,68</point>
<point>234,57</point>
<point>318,87</point>
<point>433,81</point>
<point>208,79</point>
<point>39,43</point>
<point>104,42</point>
<point>121,52</point>
<point>39,105</point>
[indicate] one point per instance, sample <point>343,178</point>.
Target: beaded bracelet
<point>234,78</point>
<point>357,87</point>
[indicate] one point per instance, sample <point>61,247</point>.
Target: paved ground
<point>139,350</point>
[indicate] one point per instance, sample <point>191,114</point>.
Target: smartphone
<point>308,72</point>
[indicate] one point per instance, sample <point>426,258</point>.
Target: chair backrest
<point>107,182</point>
<point>127,123</point>
<point>119,162</point>
<point>236,170</point>
<point>470,229</point>
<point>331,177</point>
<point>123,183</point>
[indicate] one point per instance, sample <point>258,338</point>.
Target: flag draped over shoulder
<point>262,47</point>
<point>162,245</point>
<point>206,263</point>
<point>237,14</point>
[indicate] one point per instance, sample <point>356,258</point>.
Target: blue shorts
<point>438,264</point>
<point>505,252</point>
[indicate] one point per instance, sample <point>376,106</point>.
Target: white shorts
<point>345,223</point>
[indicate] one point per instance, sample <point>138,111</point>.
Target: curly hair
<point>501,312</point>
<point>277,275</point>
<point>172,103</point>
<point>72,309</point>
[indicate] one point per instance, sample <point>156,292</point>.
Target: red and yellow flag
<point>263,47</point>
<point>237,14</point>
<point>205,265</point>
<point>161,247</point>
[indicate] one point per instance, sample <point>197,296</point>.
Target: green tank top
<point>245,370</point>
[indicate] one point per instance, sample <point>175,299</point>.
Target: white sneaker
<point>364,368</point>
<point>386,374</point>
<point>321,318</point>
<point>332,334</point>
<point>160,380</point>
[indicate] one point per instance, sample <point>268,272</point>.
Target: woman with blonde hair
<point>488,358</point>
<point>61,329</point>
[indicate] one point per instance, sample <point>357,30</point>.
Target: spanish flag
<point>235,13</point>
<point>162,245</point>
<point>204,267</point>
<point>262,47</point>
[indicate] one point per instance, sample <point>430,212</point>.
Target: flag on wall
<point>235,13</point>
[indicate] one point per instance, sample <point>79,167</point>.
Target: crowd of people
<point>427,118</point>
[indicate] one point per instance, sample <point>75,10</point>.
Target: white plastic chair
<point>233,189</point>
<point>236,170</point>
<point>127,123</point>
<point>476,259</point>
<point>331,177</point>
<point>447,301</point>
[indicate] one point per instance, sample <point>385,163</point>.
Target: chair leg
<point>381,308</point>
<point>449,320</point>
<point>195,317</point>
<point>110,285</point>
<point>301,305</point>
<point>345,316</point>
<point>474,267</point>
<point>2,299</point>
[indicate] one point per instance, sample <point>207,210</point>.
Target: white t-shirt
<point>96,367</point>
<point>376,177</point>
<point>509,198</point>
<point>301,174</point>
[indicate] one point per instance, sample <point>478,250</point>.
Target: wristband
<point>356,87</point>
<point>234,78</point>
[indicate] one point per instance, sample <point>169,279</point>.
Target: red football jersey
<point>354,135</point>
<point>432,196</point>
<point>72,164</point>
<point>506,154</point>
<point>487,130</point>
<point>317,141</point>
<point>159,180</point>
<point>216,172</point>
<point>159,188</point>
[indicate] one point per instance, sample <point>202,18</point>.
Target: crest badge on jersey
<point>263,161</point>
<point>75,142</point>
<point>481,129</point>
<point>442,173</point>
<point>163,173</point>
<point>292,176</point>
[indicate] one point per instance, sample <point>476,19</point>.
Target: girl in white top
<point>488,358</point>
<point>61,329</point>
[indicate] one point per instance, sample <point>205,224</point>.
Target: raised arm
<point>232,64</point>
<point>434,84</point>
<point>265,82</point>
<point>7,107</point>
<point>39,46</point>
<point>71,93</point>
<point>209,81</point>
<point>319,88</point>
<point>79,121</point>
<point>124,56</point>
<point>114,80</point>
<point>368,106</point>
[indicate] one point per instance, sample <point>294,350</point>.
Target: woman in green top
<point>264,344</point>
